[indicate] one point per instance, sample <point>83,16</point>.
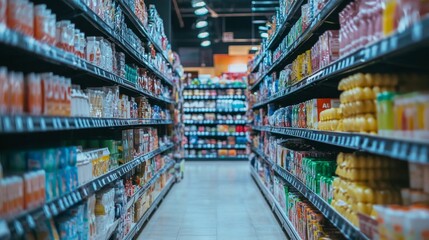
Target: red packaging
<point>16,83</point>
<point>34,101</point>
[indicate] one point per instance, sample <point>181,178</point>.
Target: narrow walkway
<point>215,201</point>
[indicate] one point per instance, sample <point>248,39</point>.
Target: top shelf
<point>285,27</point>
<point>306,36</point>
<point>127,47</point>
<point>142,30</point>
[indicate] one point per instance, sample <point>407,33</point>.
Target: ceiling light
<point>254,48</point>
<point>264,35</point>
<point>205,43</point>
<point>201,24</point>
<point>203,34</point>
<point>201,11</point>
<point>198,3</point>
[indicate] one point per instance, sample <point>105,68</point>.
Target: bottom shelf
<point>275,206</point>
<point>136,228</point>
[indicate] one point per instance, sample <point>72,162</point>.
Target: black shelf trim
<point>61,204</point>
<point>13,124</point>
<point>275,206</point>
<point>56,55</point>
<point>402,149</point>
<point>97,22</point>
<point>346,228</point>
<point>152,181</point>
<point>263,156</point>
<point>259,60</point>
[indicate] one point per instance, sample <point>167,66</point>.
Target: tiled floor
<point>215,201</point>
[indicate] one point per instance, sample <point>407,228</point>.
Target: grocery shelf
<point>215,134</point>
<point>275,206</point>
<point>98,23</point>
<point>220,97</point>
<point>214,110</point>
<point>141,29</point>
<point>258,61</point>
<point>410,39</point>
<point>58,56</point>
<point>12,124</point>
<point>214,146</point>
<point>346,228</point>
<point>53,208</point>
<point>291,17</point>
<point>316,23</point>
<point>212,87</point>
<point>215,122</point>
<point>152,181</point>
<point>201,158</point>
<point>349,231</point>
<point>399,148</point>
<point>263,156</point>
<point>136,228</point>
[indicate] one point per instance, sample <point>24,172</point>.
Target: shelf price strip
<point>22,123</point>
<point>406,150</point>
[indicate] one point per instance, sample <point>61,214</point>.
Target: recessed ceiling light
<point>264,35</point>
<point>203,34</point>
<point>201,11</point>
<point>205,43</point>
<point>198,3</point>
<point>201,24</point>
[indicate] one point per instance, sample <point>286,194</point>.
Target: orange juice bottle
<point>40,23</point>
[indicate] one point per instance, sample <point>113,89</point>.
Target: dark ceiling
<point>225,16</point>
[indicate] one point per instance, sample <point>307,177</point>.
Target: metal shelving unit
<point>403,149</point>
<point>349,231</point>
<point>137,227</point>
<point>28,124</point>
<point>26,220</point>
<point>275,206</point>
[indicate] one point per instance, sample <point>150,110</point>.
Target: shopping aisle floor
<point>215,201</point>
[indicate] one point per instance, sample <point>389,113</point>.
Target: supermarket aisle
<point>215,201</point>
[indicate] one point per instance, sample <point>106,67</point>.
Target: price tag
<point>66,202</point>
<point>61,205</point>
<point>54,209</point>
<point>7,125</point>
<point>94,186</point>
<point>74,196</point>
<point>393,42</point>
<point>374,51</point>
<point>365,143</point>
<point>19,124</point>
<point>79,196</point>
<point>417,32</point>
<point>384,46</point>
<point>47,211</point>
